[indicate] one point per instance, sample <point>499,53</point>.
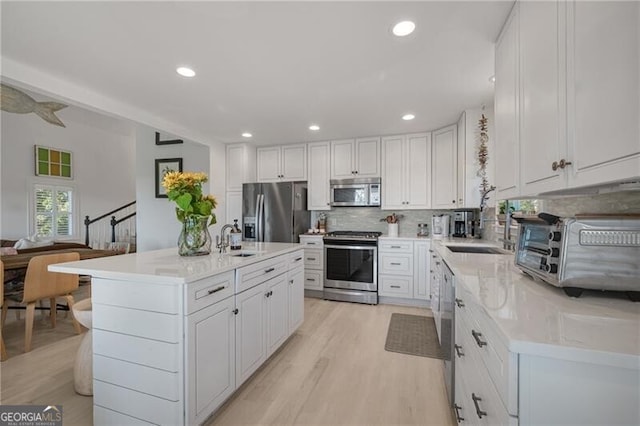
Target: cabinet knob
<point>453,201</point>
<point>235,311</point>
<point>554,166</point>
<point>564,163</point>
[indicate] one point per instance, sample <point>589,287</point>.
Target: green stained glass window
<point>53,162</point>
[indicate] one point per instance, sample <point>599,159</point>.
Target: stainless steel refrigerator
<point>274,212</point>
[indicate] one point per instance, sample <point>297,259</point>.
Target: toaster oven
<point>596,252</point>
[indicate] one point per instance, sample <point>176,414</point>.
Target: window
<point>53,211</point>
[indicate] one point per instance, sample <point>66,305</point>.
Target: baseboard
<point>420,303</point>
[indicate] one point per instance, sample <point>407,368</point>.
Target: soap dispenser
<point>235,236</point>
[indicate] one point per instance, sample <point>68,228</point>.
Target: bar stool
<point>83,367</point>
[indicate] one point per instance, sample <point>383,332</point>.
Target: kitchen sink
<point>475,249</point>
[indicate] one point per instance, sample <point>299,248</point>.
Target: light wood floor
<point>334,370</point>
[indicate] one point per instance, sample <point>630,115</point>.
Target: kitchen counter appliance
<point>597,252</point>
<point>351,266</point>
<point>359,192</point>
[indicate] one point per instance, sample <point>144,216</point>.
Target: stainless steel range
<point>351,266</point>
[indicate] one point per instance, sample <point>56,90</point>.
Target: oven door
<point>533,247</point>
<point>350,195</point>
<point>351,266</point>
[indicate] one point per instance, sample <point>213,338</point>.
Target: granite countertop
<point>166,267</point>
<point>539,319</point>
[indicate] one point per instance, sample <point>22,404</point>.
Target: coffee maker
<point>463,223</point>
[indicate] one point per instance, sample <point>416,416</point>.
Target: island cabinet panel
<point>154,381</point>
<point>150,325</point>
<point>156,410</point>
<point>105,417</point>
<point>136,295</point>
<point>250,333</point>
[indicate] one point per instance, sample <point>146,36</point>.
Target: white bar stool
<point>83,367</point>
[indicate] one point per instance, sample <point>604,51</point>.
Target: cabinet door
<point>418,161</point>
<point>211,358</point>
<point>250,332</point>
<point>318,196</point>
<point>445,168</point>
<point>507,141</point>
<point>234,206</point>
<point>422,274</point>
<point>277,312</point>
<point>296,299</point>
<point>235,167</point>
<point>294,162</point>
<point>367,157</point>
<point>542,140</point>
<point>268,164</point>
<point>603,87</point>
<point>342,164</point>
<point>393,173</point>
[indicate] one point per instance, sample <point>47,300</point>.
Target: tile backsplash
<point>615,202</point>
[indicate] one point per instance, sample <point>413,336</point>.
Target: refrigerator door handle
<point>256,217</point>
<point>260,219</point>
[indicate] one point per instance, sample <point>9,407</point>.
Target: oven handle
<point>351,247</point>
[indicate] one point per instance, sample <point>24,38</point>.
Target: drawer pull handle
<point>437,263</point>
<point>266,271</point>
<point>235,311</point>
<point>311,258</point>
<point>298,259</point>
<point>396,263</point>
<point>311,279</point>
<point>269,294</point>
<point>311,244</point>
<point>460,303</point>
<point>396,246</point>
<point>458,351</point>
<point>395,286</point>
<point>477,335</point>
<point>477,399</point>
<point>457,407</point>
<point>430,251</point>
<point>217,289</point>
<point>290,281</point>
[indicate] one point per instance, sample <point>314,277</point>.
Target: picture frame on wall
<point>164,166</point>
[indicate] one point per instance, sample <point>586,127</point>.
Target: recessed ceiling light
<point>185,72</point>
<point>314,127</point>
<point>246,135</point>
<point>492,79</point>
<point>403,28</point>
<point>408,117</point>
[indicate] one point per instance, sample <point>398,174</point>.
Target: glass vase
<point>194,240</point>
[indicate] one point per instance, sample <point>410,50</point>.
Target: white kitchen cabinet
<point>233,208</point>
<point>403,269</point>
<point>422,268</point>
<point>250,332</point>
<point>445,168</point>
<point>318,195</point>
<point>295,279</point>
<point>282,163</point>
<point>211,351</point>
<point>406,175</point>
<point>603,86</point>
<point>355,158</point>
<point>469,180</point>
<point>313,263</point>
<point>277,312</point>
<point>542,138</point>
<point>507,110</point>
<point>240,166</point>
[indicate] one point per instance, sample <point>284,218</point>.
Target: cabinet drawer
<point>395,286</point>
<point>296,260</point>
<point>395,246</point>
<point>208,291</point>
<point>311,241</point>
<point>252,275</point>
<point>313,280</point>
<point>397,264</point>
<point>313,259</point>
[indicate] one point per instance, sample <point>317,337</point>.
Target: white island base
<point>174,337</point>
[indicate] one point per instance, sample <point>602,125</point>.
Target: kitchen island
<point>174,337</point>
<point>526,353</point>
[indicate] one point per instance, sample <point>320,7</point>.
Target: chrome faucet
<point>221,242</point>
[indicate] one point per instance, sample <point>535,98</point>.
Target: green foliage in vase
<point>185,189</point>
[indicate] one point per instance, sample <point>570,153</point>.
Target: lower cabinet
<point>403,269</point>
<point>296,298</point>
<point>211,335</point>
<point>250,332</point>
<point>277,312</point>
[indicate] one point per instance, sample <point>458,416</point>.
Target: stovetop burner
<point>353,235</point>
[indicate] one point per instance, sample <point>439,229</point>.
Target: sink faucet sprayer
<point>222,242</point>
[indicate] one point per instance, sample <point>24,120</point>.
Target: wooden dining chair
<point>3,351</point>
<point>40,284</point>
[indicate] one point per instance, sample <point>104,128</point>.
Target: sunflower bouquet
<point>185,189</point>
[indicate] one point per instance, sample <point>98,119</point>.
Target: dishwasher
<point>447,327</point>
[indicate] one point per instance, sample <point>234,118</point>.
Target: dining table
<point>21,260</point>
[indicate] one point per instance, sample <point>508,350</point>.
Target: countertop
<point>167,267</point>
<point>537,318</point>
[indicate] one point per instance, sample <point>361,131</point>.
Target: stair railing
<point>113,223</point>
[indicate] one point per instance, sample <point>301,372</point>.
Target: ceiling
<point>269,68</point>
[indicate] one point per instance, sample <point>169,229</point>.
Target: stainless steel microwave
<point>355,192</point>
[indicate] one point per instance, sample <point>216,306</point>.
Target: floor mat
<point>413,335</point>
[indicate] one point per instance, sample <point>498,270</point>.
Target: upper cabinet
<point>445,168</point>
<point>406,172</point>
<point>352,158</point>
<point>567,107</point>
<point>240,166</point>
<point>282,163</point>
<point>318,196</point>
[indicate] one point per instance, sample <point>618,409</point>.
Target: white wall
<point>103,162</point>
<point>157,225</point>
